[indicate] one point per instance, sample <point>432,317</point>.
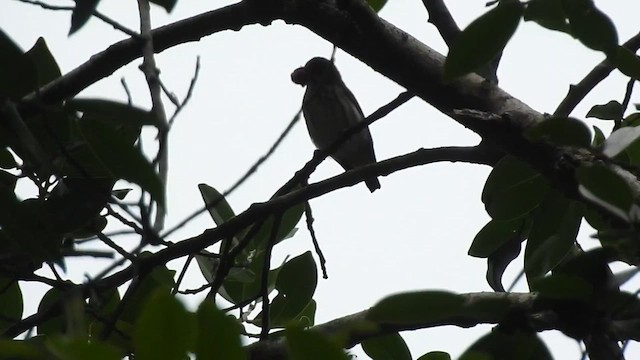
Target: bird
<point>330,109</point>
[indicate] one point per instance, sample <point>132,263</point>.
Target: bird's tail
<point>372,183</point>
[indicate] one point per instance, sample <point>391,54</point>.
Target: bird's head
<point>315,71</point>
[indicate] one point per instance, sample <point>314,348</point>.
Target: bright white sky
<point>412,234</point>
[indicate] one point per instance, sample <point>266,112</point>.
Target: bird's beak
<point>299,76</point>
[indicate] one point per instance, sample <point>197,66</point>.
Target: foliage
<point>77,151</point>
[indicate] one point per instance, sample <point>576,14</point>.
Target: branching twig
<point>187,97</point>
<point>95,13</point>
<point>151,74</point>
<point>441,18</point>
<point>594,77</point>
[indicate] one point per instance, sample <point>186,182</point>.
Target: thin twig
<point>264,285</point>
<point>240,181</point>
<point>186,99</point>
<point>181,276</point>
<point>594,77</point>
<point>309,217</point>
<point>151,74</point>
<point>95,13</point>
<point>105,239</point>
<point>127,91</point>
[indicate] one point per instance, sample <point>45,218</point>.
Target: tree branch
<point>594,77</point>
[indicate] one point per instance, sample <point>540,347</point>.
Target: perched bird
<point>329,110</point>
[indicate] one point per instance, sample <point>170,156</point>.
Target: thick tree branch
<point>355,328</point>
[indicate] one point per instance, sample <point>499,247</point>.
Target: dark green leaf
<point>513,189</point>
<point>218,335</point>
<point>598,138</point>
<point>377,5</point>
<point>498,345</point>
<point>121,158</point>
<point>632,120</point>
<point>435,355</point>
<point>503,256</point>
<point>562,287</point>
<point>82,13</point>
<point>81,349</point>
<point>552,235</point>
<point>311,345</point>
<point>164,330</point>
<point>493,235</point>
<point>55,324</point>
<point>387,347</point>
<point>11,300</point>
<point>6,159</point>
<point>296,284</point>
<point>483,39</point>
<point>218,207</point>
<point>17,73</point>
<point>160,279</point>
<point>114,112</point>
<point>610,111</point>
<point>625,275</point>
<point>605,188</point>
<point>432,306</point>
<point>627,62</point>
<point>561,131</point>
<point>45,64</point>
<point>591,26</point>
<point>166,4</point>
<point>620,140</point>
<point>547,13</point>
<point>19,350</point>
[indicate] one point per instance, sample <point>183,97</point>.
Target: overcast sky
<point>412,234</point>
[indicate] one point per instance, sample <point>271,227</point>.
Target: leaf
<point>591,26</point>
<point>296,284</point>
<point>114,112</point>
<point>513,189</point>
<point>432,306</point>
<point>498,345</point>
<point>54,324</point>
<point>19,349</point>
<point>562,287</point>
<point>218,335</point>
<point>498,261</point>
<point>12,305</point>
<point>387,347</point>
<point>627,62</point>
<point>377,5</point>
<point>17,73</point>
<point>483,39</point>
<point>561,131</point>
<point>625,275</point>
<point>46,67</point>
<point>164,330</point>
<point>6,159</point>
<point>311,345</point>
<point>553,233</point>
<point>598,138</point>
<point>493,235</point>
<point>159,280</point>
<point>435,355</point>
<point>605,188</point>
<point>82,13</point>
<point>68,348</point>
<point>620,140</point>
<point>166,4</point>
<point>548,14</point>
<point>122,159</point>
<point>221,211</point>
<point>610,111</point>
